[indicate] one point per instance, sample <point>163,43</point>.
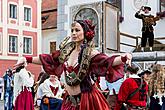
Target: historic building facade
<point>49,26</point>
<point>20,32</point>
<point>128,24</point>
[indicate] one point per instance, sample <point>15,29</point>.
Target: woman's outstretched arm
<point>125,58</point>
<point>34,60</point>
<point>121,58</point>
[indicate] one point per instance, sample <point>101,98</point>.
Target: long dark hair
<point>43,77</point>
<point>19,68</point>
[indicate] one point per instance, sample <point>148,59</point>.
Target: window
<point>27,14</point>
<point>13,44</point>
<point>52,46</point>
<point>27,47</point>
<point>162,5</point>
<point>117,3</point>
<point>13,11</point>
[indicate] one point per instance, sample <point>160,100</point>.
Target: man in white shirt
<point>50,90</point>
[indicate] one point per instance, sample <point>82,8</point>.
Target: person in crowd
<point>50,91</point>
<point>41,78</point>
<point>145,75</point>
<point>147,29</point>
<point>23,81</point>
<point>133,91</point>
<point>154,104</point>
<point>111,89</point>
<point>163,105</point>
<point>114,90</point>
<point>76,62</point>
<point>38,82</point>
<point>156,86</point>
<point>8,89</point>
<point>1,88</point>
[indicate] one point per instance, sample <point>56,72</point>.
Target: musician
<point>147,28</point>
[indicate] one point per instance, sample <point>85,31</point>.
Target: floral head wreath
<point>88,28</point>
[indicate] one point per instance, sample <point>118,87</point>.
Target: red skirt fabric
<point>89,101</point>
<point>24,101</point>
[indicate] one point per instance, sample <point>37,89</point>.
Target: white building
<point>128,36</point>
<point>129,27</point>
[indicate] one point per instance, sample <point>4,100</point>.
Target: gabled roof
<point>49,14</point>
<point>49,5</point>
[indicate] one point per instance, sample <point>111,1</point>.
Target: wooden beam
<point>149,56</point>
<point>145,56</point>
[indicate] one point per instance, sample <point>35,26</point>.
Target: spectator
<point>51,91</point>
<point>8,89</point>
<point>23,81</point>
<point>133,91</point>
<point>1,88</point>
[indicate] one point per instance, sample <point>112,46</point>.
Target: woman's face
<point>53,77</point>
<point>146,77</point>
<point>77,32</point>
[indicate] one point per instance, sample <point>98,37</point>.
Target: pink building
<point>20,32</point>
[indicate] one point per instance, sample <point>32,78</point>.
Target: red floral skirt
<point>93,100</point>
<point>24,101</point>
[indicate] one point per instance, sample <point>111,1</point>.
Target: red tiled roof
<point>49,5</point>
<point>49,20</point>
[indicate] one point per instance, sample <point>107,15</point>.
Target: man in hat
<point>148,21</point>
<point>133,91</point>
<point>145,75</point>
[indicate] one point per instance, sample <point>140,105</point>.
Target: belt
<point>136,107</point>
<point>28,88</point>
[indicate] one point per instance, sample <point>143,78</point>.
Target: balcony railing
<point>137,47</point>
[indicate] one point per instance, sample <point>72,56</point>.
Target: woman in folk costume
<point>76,62</point>
<point>50,93</point>
<point>23,81</point>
